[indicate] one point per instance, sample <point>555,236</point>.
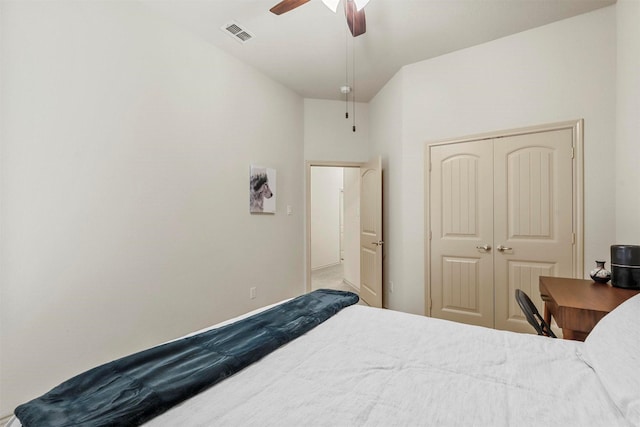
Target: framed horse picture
<point>262,190</point>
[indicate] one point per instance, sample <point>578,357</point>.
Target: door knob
<point>378,243</point>
<point>486,248</point>
<point>503,248</point>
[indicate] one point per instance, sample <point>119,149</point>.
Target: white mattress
<point>367,366</point>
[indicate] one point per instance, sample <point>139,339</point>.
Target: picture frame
<point>262,190</point>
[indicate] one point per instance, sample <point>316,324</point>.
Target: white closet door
<point>533,211</point>
<point>461,212</point>
<point>501,215</point>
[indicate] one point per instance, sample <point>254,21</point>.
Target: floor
<point>331,278</point>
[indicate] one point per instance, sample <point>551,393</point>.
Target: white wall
<point>351,240</point>
<point>627,171</point>
<point>562,71</point>
<point>126,146</point>
<point>328,136</point>
<point>326,184</point>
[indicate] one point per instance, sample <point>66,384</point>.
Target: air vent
<point>233,29</point>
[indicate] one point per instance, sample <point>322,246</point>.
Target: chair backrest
<point>533,316</point>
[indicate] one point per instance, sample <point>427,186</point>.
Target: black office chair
<point>531,313</point>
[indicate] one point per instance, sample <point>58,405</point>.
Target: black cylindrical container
<point>625,266</point>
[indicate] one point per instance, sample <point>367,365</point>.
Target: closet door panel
<point>533,228</point>
<point>461,215</point>
<point>524,275</point>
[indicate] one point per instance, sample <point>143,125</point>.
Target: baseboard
<point>5,420</point>
<point>326,266</point>
<point>351,285</point>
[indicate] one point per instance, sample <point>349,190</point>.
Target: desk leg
<point>569,334</point>
<point>547,314</point>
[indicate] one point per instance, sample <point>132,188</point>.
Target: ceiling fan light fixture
<point>360,4</point>
<point>332,4</point>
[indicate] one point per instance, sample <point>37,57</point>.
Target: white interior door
<point>533,211</point>
<point>341,213</point>
<point>461,224</point>
<point>371,233</point>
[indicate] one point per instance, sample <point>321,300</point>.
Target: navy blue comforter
<point>136,388</point>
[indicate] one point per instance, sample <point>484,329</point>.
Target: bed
<point>368,366</point>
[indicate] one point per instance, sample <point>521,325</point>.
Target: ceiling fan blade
<point>355,18</point>
<point>287,5</point>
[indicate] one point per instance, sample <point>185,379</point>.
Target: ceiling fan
<point>353,9</point>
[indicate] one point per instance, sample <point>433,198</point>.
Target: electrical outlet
<point>391,287</point>
<point>253,292</point>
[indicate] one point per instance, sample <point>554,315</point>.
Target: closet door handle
<point>503,248</point>
<point>485,248</point>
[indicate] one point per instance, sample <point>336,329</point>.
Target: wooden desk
<point>577,305</point>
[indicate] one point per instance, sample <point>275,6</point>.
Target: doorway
<point>361,268</point>
<point>334,219</point>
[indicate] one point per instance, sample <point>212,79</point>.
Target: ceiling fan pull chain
<point>346,112</point>
<point>353,77</point>
<point>346,71</point>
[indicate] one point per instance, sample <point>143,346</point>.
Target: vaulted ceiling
<point>310,50</point>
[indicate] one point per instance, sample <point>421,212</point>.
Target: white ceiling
<point>306,49</point>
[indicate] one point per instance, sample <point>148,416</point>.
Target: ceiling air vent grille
<point>234,30</point>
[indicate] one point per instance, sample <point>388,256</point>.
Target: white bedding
<point>368,366</point>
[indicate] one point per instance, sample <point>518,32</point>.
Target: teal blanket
<point>136,388</point>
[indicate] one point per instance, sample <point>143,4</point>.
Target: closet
<point>502,211</point>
